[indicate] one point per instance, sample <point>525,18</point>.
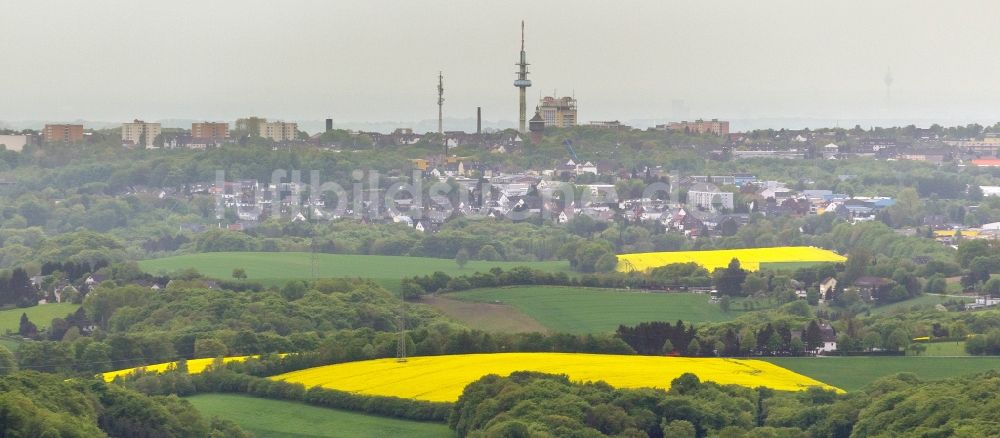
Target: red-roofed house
<point>986,162</point>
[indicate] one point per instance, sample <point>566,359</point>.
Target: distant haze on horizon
<point>372,62</point>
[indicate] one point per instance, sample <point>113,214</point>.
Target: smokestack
<point>479,120</point>
<point>329,125</point>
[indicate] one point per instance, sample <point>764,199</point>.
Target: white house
<point>990,190</point>
<point>829,338</point>
<point>587,167</point>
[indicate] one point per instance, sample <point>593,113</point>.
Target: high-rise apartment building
<point>62,133</point>
<point>140,133</point>
<point>260,127</point>
<point>714,126</point>
<point>213,130</point>
<point>558,112</point>
<point>279,131</point>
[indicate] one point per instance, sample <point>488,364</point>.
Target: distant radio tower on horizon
<point>888,85</point>
<point>440,102</point>
<point>522,83</point>
<point>444,141</point>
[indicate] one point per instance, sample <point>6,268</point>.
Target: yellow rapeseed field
<point>750,258</point>
<point>951,233</point>
<point>194,366</point>
<point>442,378</point>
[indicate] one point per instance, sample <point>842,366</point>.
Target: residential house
<point>869,288</point>
<point>827,288</point>
<point>829,338</point>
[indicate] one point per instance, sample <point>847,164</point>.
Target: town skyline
<point>664,67</point>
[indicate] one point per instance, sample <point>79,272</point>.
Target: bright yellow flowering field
<point>194,366</point>
<point>950,233</point>
<point>442,378</point>
<point>750,258</point>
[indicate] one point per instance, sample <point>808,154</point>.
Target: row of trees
<point>39,405</point>
<point>527,404</point>
<point>18,290</point>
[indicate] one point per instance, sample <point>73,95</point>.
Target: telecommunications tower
<point>522,83</point>
<point>401,343</point>
<point>440,102</point>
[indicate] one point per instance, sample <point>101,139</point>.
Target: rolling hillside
<point>277,267</point>
<point>590,310</point>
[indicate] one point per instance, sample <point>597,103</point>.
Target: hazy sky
<point>378,60</point>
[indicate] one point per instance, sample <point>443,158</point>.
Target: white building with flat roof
<point>279,131</point>
<point>708,196</point>
<point>140,133</point>
<point>14,142</point>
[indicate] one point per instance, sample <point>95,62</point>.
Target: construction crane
<point>572,152</point>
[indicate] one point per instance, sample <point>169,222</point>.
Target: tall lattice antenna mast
<point>401,345</point>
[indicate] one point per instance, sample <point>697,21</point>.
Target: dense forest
<point>531,404</point>
<point>33,404</point>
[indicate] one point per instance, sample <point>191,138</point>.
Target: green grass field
<point>284,419</point>
<point>923,300</point>
<point>853,373</point>
<point>41,316</point>
<point>583,310</point>
<point>788,266</point>
<point>12,344</point>
<point>275,268</point>
<point>944,349</point>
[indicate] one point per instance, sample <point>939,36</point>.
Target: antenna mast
<point>312,243</point>
<point>401,345</point>
<point>522,83</point>
<point>440,101</point>
<point>440,105</point>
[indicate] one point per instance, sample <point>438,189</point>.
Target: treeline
<point>529,404</point>
<point>485,239</point>
<point>18,290</point>
<point>67,282</point>
<point>778,337</point>
<point>655,338</point>
<point>39,405</point>
<point>124,326</point>
<point>222,380</point>
<point>523,275</point>
<point>340,320</point>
